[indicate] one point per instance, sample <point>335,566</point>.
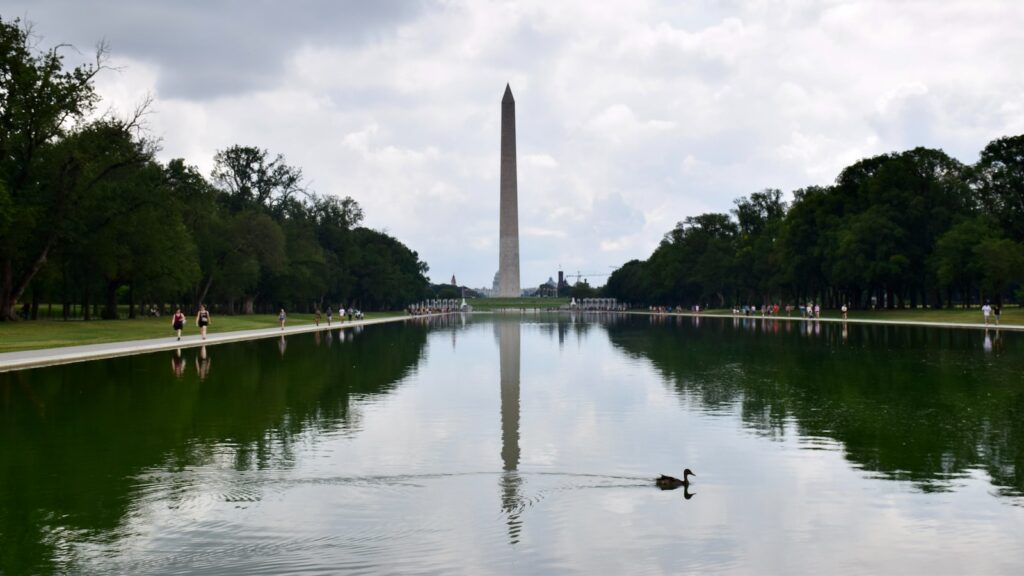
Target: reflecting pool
<point>500,445</point>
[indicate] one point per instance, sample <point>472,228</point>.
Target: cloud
<point>630,116</point>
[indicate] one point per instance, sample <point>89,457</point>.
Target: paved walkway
<point>50,356</point>
<point>65,355</point>
<point>965,325</point>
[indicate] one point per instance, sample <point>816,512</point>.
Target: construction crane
<point>578,275</point>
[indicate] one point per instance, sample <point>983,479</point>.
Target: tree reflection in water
<point>76,437</point>
<point>910,403</point>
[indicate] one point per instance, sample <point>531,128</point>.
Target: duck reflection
<point>511,483</point>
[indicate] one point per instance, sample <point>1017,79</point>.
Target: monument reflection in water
<point>508,335</point>
<point>491,445</point>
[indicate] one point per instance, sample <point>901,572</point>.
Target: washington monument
<point>508,233</point>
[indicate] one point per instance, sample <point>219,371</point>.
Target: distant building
<point>453,280</point>
<point>548,289</point>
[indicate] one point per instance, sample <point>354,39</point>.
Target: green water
<point>492,446</point>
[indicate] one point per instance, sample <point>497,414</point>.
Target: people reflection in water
<point>203,363</point>
<point>987,343</point>
<point>316,338</point>
<point>177,363</point>
<point>281,345</point>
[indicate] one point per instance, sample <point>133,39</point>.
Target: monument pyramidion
<point>508,233</point>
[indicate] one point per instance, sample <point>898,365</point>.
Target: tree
<point>203,219</point>
<point>629,283</point>
<point>257,249</point>
<point>251,179</point>
<point>1002,264</point>
<point>759,220</point>
<point>998,178</point>
<point>955,261</point>
<point>334,219</point>
<point>40,102</point>
<point>806,241</point>
<point>388,274</point>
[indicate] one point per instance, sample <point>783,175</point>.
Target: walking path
<point>68,354</point>
<point>925,323</point>
<point>50,356</point>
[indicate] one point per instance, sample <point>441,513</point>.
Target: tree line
<point>90,219</point>
<point>905,229</point>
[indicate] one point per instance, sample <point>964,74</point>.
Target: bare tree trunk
<point>110,311</point>
<point>10,292</point>
<point>7,303</point>
<point>201,297</point>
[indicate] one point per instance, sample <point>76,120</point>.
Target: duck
<point>670,483</point>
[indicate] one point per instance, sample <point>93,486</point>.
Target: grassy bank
<point>487,304</point>
<point>34,335</point>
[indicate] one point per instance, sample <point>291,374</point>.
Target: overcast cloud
<point>630,116</point>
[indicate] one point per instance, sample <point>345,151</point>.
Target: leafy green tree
<point>136,238</point>
<point>334,219</point>
<point>806,241</point>
<point>388,274</point>
<point>955,261</point>
<point>759,221</point>
<point>39,102</point>
<point>1001,261</point>
<point>252,179</point>
<point>257,250</point>
<point>629,283</point>
<point>998,178</point>
<point>582,289</point>
<point>204,220</point>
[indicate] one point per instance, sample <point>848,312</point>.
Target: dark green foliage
<point>88,217</point>
<point>40,102</point>
<point>901,229</point>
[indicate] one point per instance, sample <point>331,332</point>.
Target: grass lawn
<point>33,335</point>
<point>485,304</point>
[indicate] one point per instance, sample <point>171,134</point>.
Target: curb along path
<point>68,354</point>
<point>926,324</point>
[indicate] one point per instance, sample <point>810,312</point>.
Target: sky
<point>631,116</point>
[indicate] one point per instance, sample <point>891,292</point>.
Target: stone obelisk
<point>508,233</point>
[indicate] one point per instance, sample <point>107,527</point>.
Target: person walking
<point>996,310</point>
<point>330,314</point>
<point>203,320</point>
<point>844,309</point>
<point>281,317</point>
<point>316,315</point>
<point>178,321</point>
<point>985,311</point>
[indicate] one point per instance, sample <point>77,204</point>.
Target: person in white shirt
<point>985,311</point>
